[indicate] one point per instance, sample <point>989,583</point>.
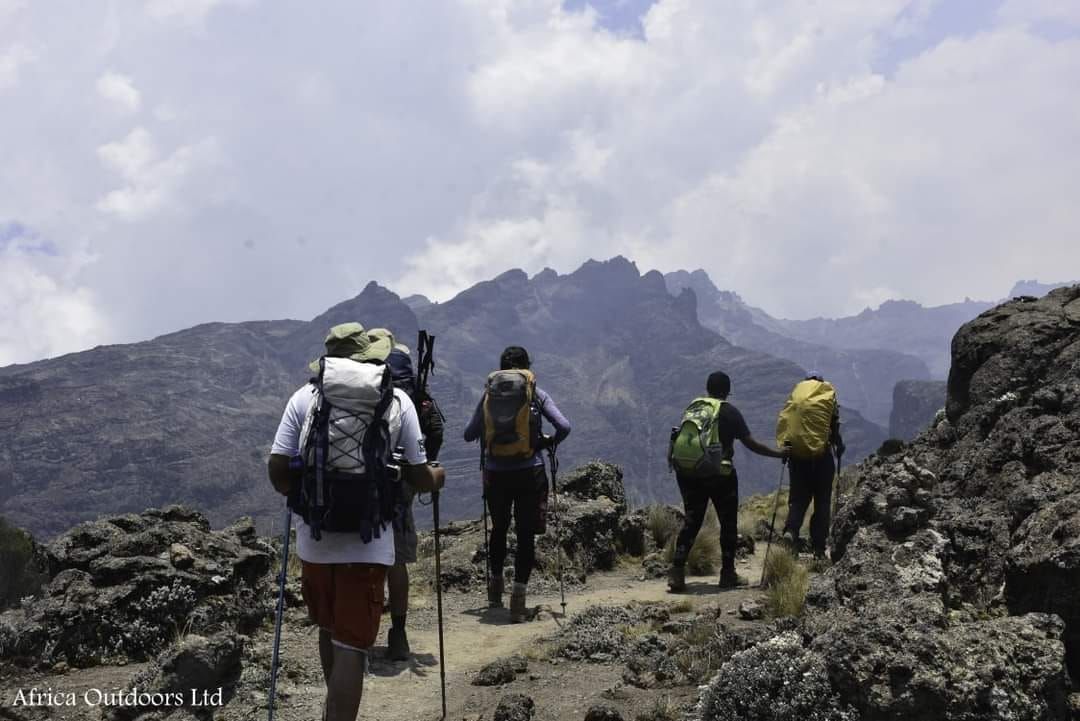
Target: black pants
<point>523,493</point>
<point>811,481</point>
<point>723,491</point>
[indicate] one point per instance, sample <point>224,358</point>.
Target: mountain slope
<point>189,417</point>
<point>864,377</point>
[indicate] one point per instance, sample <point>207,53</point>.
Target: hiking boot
<point>397,645</point>
<point>517,604</point>
<point>676,582</point>
<point>791,542</point>
<point>730,579</point>
<point>495,592</point>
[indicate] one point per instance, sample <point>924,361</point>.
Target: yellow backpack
<point>806,420</point>
<point>511,423</point>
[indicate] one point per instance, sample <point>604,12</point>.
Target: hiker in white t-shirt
<point>343,572</point>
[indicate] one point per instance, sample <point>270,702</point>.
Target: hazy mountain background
<point>189,416</point>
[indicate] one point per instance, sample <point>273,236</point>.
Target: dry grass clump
<point>663,708</point>
<point>661,524</point>
<point>787,582</point>
<point>704,556</point>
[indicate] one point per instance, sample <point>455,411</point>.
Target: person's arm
<point>554,416</point>
<point>415,469</point>
<point>286,446</point>
<point>760,448</point>
<point>282,477</point>
<point>424,477</point>
<point>742,432</point>
<point>476,424</point>
<point>837,440</point>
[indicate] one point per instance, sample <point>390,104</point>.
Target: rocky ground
<point>954,596</point>
<point>624,642</point>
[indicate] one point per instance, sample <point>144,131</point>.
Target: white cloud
<point>151,184</point>
<point>45,313</point>
<point>119,89</point>
<point>432,145</point>
<point>187,11</point>
<point>12,61</point>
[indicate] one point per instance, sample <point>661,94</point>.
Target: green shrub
<point>19,572</point>
<point>787,582</point>
<point>662,525</point>
<point>704,556</point>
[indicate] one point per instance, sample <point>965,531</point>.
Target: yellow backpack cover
<point>806,420</point>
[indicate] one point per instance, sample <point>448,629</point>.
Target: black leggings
<point>522,493</point>
<point>811,481</point>
<point>723,491</point>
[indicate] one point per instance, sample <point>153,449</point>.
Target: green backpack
<point>695,445</point>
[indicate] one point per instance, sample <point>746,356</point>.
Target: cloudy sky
<point>170,162</point>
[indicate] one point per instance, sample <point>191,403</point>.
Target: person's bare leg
<point>346,685</point>
<point>326,654</point>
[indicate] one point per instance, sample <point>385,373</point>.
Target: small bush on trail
<point>704,556</point>
<point>662,708</point>
<point>19,572</point>
<point>786,582</point>
<point>662,525</point>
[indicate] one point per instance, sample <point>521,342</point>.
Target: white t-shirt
<point>346,547</point>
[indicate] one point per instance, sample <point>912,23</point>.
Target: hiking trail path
<point>475,636</point>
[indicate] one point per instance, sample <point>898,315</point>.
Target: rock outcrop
<point>126,587</point>
<point>914,406</point>
<point>956,591</point>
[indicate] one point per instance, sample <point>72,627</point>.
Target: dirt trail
<point>475,636</point>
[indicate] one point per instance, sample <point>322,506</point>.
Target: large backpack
<point>696,449</point>
<point>511,422</point>
<point>348,483</point>
<point>428,412</point>
<point>806,419</point>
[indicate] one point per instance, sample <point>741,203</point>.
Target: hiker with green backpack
<point>507,422</point>
<point>701,453</point>
<point>810,422</point>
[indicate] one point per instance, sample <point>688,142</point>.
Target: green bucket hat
<point>350,340</point>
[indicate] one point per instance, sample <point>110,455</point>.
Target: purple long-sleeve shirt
<point>548,410</point>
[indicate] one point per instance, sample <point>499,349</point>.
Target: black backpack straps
<point>322,450</point>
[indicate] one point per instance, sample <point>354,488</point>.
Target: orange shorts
<point>345,599</point>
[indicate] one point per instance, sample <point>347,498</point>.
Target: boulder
<point>603,713</point>
<point>515,707</point>
<point>501,671</point>
<point>124,586</point>
<point>953,593</point>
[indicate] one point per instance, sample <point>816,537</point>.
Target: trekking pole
<point>772,524</point>
<point>438,596</point>
<point>554,461</point>
<point>280,611</point>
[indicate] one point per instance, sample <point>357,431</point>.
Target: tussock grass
<point>540,651</point>
<point>661,524</point>
<point>786,582</point>
<point>682,606</point>
<point>704,556</point>
<point>756,511</point>
<point>663,708</point>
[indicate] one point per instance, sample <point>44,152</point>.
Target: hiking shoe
<point>397,645</point>
<point>730,579</point>
<point>789,541</point>
<point>495,592</point>
<point>517,604</point>
<point>676,580</point>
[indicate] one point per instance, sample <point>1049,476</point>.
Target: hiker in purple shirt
<point>515,480</point>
